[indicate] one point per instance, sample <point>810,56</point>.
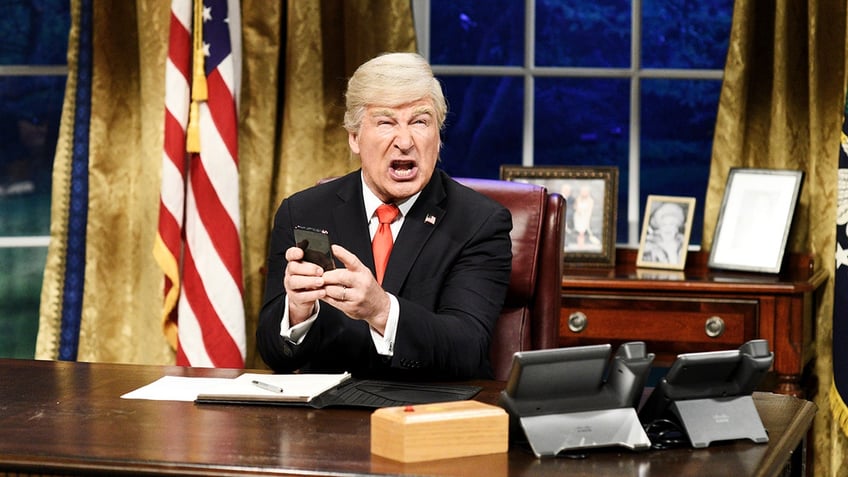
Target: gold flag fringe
<point>198,80</point>
<point>839,409</point>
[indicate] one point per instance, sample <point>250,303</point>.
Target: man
<point>433,315</point>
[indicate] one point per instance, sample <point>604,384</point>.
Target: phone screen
<point>315,244</point>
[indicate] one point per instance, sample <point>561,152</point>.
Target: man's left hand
<point>354,290</point>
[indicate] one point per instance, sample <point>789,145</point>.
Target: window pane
<point>578,33</point>
<point>483,127</point>
<point>20,290</point>
<point>678,119</point>
<point>584,122</point>
<point>29,124</point>
<point>35,32</point>
<point>471,32</point>
<point>685,34</point>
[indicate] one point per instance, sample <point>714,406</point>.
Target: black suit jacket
<point>449,269</point>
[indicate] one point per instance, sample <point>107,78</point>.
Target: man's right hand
<point>304,284</point>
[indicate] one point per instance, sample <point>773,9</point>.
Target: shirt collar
<point>372,201</point>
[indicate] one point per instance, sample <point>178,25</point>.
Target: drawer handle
<point>714,327</point>
<point>577,321</point>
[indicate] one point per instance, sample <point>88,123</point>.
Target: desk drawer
<point>671,324</point>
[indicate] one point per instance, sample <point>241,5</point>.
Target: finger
<point>303,268</point>
<point>302,276</point>
<point>307,297</point>
<point>296,265</point>
<point>295,283</point>
<point>338,292</point>
<point>342,299</point>
<point>294,254</point>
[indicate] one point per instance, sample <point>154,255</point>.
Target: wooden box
<point>439,431</point>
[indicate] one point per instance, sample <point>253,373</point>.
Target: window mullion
<point>421,20</point>
<point>529,82</point>
<point>635,124</point>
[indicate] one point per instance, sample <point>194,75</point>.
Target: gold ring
<point>344,292</point>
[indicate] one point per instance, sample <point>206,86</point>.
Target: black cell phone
<point>315,244</point>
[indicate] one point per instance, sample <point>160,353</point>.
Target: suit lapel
<point>418,225</point>
<point>350,220</point>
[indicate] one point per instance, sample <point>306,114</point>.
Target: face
<point>398,147</point>
<point>669,224</point>
<point>668,228</point>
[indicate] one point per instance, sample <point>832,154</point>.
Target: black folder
<point>365,393</point>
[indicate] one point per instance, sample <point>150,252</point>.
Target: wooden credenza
<point>697,309</point>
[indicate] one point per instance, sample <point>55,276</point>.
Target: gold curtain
<point>781,107</point>
<point>295,63</point>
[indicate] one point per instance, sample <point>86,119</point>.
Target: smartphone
<point>315,244</point>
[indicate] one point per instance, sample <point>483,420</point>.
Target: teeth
<point>403,172</point>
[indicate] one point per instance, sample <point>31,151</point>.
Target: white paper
<point>294,385</point>
<point>180,388</point>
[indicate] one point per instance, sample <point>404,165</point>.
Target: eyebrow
<point>422,110</point>
<point>382,112</point>
<point>390,113</point>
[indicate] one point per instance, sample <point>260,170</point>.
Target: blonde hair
<point>392,79</point>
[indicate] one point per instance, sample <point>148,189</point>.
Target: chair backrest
<point>530,316</point>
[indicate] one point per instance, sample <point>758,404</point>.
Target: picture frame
<point>664,241</point>
<point>754,219</point>
<point>591,197</point>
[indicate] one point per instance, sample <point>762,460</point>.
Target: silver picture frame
<point>755,219</point>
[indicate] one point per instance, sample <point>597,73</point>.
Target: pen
<point>267,387</point>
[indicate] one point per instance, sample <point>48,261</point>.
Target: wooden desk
<point>61,417</point>
<point>696,309</point>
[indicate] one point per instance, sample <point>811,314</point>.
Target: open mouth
<point>403,169</point>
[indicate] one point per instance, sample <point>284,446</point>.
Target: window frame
<point>635,74</point>
<point>26,241</point>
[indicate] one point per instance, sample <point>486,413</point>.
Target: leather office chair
<point>530,316</point>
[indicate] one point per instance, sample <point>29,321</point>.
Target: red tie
<point>382,243</point>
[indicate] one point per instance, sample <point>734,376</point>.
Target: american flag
<point>198,246</point>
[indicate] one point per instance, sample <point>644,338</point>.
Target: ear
<point>353,142</point>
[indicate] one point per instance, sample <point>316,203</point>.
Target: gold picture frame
<point>664,242</point>
<point>591,202</point>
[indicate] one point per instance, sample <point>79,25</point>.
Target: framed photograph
<point>754,220</point>
<point>591,200</point>
<point>665,232</point>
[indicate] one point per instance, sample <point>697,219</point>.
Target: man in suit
<point>432,314</point>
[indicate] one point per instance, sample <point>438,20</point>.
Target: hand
<point>304,284</point>
<point>354,290</point>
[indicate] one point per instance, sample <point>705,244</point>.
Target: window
<point>568,82</point>
<point>33,69</point>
